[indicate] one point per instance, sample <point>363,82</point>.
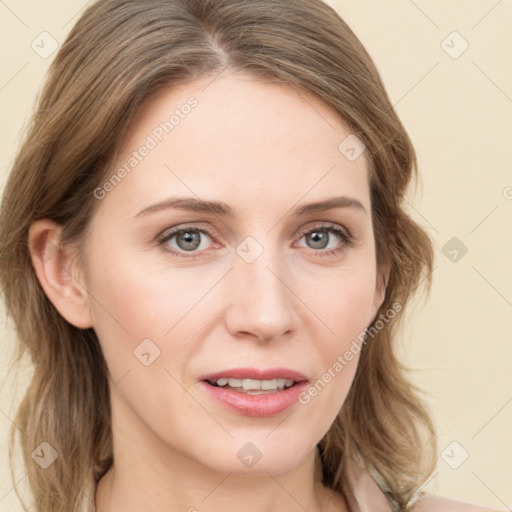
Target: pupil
<point>188,240</point>
<point>318,239</point>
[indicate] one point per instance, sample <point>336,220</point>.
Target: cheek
<point>137,299</point>
<point>344,301</point>
<point>346,308</point>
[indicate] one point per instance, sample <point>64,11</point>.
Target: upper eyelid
<point>322,225</point>
<point>169,232</point>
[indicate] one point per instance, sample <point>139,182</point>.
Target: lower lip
<point>256,405</point>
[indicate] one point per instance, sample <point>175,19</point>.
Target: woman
<point>206,257</point>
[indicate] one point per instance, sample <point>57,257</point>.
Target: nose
<point>261,300</point>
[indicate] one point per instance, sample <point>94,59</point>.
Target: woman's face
<point>239,236</point>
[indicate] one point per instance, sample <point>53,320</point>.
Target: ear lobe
<point>57,272</point>
<point>380,288</point>
<point>382,284</point>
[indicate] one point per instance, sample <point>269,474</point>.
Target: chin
<point>251,453</point>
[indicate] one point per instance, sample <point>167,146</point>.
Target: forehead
<point>239,140</point>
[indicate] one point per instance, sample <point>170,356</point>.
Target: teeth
<point>271,384</point>
<point>253,384</point>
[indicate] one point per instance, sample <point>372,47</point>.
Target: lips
<point>264,403</point>
<point>256,374</point>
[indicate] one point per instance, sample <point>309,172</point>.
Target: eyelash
<point>345,236</point>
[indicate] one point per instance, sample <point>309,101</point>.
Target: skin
<point>264,149</point>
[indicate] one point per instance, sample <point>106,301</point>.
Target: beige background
<point>458,112</point>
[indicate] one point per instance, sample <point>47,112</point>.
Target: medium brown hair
<point>117,56</point>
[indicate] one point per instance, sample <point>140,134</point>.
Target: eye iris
<point>319,239</point>
<point>188,240</point>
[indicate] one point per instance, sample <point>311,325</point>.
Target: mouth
<point>253,386</point>
<point>253,391</point>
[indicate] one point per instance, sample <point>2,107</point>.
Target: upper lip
<point>256,374</point>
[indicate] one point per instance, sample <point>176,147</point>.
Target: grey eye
<point>188,240</point>
<point>317,239</point>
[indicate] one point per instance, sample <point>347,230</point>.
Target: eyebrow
<point>220,208</point>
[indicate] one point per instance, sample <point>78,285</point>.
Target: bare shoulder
<point>433,503</point>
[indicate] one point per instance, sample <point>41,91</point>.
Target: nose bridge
<point>262,303</point>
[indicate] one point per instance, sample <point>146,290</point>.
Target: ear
<point>381,284</point>
<point>58,273</point>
